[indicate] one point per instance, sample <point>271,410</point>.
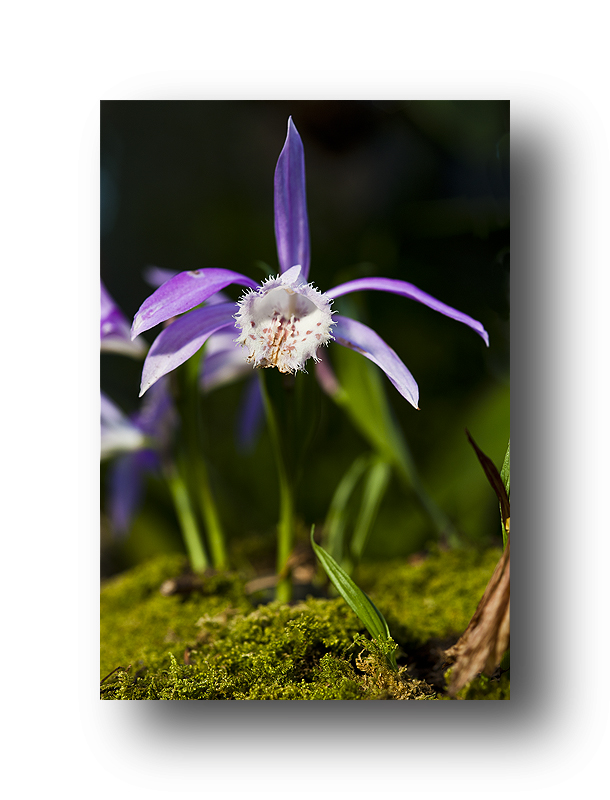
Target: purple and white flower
<point>137,445</point>
<point>114,329</point>
<point>119,434</point>
<point>285,320</point>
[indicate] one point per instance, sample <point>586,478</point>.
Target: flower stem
<point>210,517</point>
<point>199,470</point>
<point>187,519</point>
<point>286,522</point>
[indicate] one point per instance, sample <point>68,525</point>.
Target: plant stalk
<point>286,522</point>
<point>194,449</point>
<point>187,520</point>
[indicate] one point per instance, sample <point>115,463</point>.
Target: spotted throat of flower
<point>284,322</point>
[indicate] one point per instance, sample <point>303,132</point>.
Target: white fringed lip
<point>284,322</point>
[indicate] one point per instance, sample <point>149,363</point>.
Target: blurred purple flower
<point>118,433</point>
<point>138,444</point>
<point>283,321</point>
<point>114,329</point>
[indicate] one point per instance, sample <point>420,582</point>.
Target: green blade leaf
<point>362,395</point>
<point>374,489</point>
<point>334,525</point>
<point>505,476</point>
<point>360,603</point>
<point>505,472</point>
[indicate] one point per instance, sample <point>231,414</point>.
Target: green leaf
<point>334,525</point>
<point>505,476</point>
<point>377,472</point>
<point>362,395</point>
<point>360,603</point>
<point>505,472</point>
<point>375,486</point>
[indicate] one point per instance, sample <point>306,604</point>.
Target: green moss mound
<point>213,643</point>
<point>433,597</point>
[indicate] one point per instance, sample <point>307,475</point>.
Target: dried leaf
<point>487,637</point>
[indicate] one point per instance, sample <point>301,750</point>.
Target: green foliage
<point>362,605</point>
<point>375,472</point>
<point>375,485</point>
<point>337,517</point>
<point>362,396</point>
<point>505,475</point>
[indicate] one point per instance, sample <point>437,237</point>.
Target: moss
<point>433,598</point>
<point>137,621</point>
<point>496,687</point>
<point>214,644</point>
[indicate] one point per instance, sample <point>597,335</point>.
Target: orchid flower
<point>285,320</point>
<point>142,443</point>
<point>119,433</point>
<point>138,445</point>
<point>114,329</point>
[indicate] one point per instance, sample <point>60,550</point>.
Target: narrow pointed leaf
<point>505,476</point>
<point>334,525</point>
<point>505,472</point>
<point>360,603</point>
<point>375,487</point>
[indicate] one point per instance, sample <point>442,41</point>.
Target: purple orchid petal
<point>363,340</point>
<point>112,320</point>
<point>326,376</point>
<point>251,415</point>
<point>224,361</point>
<point>157,276</point>
<point>408,290</point>
<point>125,488</point>
<point>110,413</point>
<point>157,417</point>
<point>183,292</point>
<point>291,225</point>
<point>182,338</point>
<point>114,329</point>
<point>119,434</point>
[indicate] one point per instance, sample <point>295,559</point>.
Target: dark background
<point>417,190</point>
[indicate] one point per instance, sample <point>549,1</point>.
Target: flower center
<point>283,323</point>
